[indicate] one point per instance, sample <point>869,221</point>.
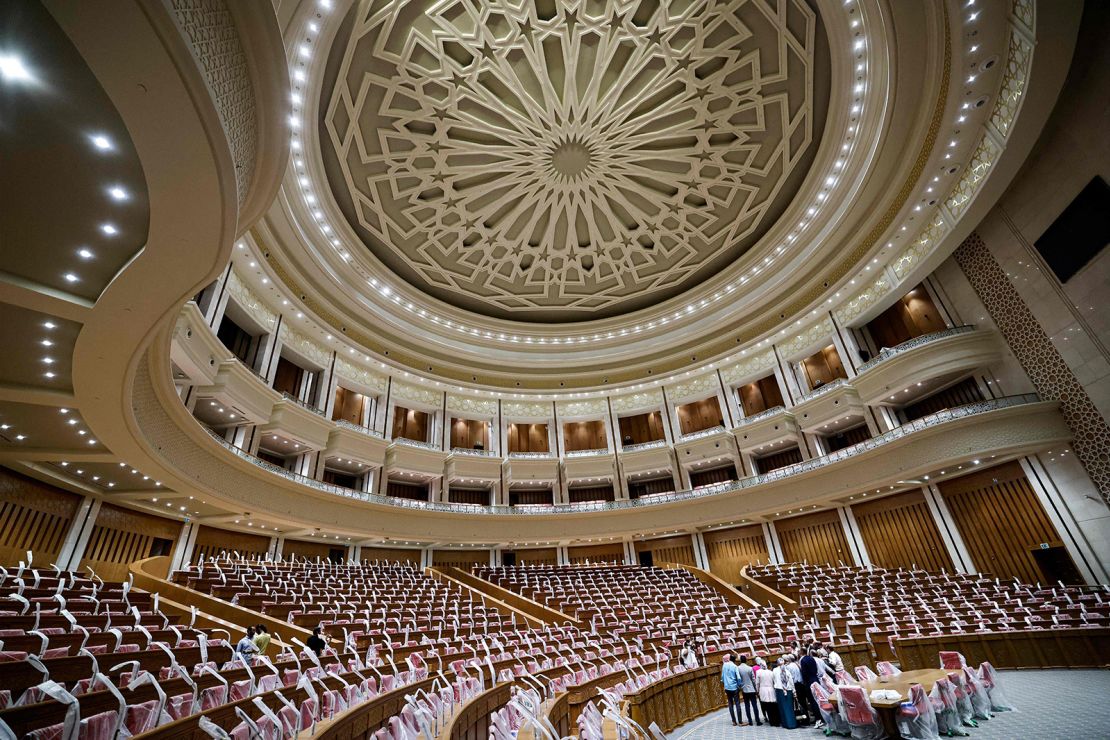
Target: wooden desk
<point>888,709</point>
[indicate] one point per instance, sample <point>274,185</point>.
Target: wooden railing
<point>214,612</point>
<point>538,612</point>
<point>1054,648</point>
<point>764,594</point>
<point>362,721</point>
<point>472,720</point>
<point>677,699</point>
<point>730,593</point>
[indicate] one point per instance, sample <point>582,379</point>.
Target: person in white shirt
<point>834,660</point>
<point>689,656</point>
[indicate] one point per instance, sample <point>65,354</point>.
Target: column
<point>771,539</point>
<point>494,557</point>
<point>354,553</point>
<point>852,534</point>
<point>77,538</point>
<point>786,376</point>
<point>426,557</point>
<point>561,557</point>
<point>731,409</point>
<point>849,357</point>
<point>183,548</point>
<point>214,299</point>
<point>630,556</point>
<point>278,545</point>
<point>949,532</point>
<point>269,353</point>
<point>701,553</point>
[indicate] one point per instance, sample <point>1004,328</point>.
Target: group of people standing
<point>779,696</point>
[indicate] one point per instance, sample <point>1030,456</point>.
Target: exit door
<point>1056,565</point>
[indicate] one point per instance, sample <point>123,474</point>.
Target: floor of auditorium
<point>1060,703</point>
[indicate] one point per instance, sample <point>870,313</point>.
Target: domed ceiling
<point>552,161</point>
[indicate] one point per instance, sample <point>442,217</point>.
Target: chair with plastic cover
<point>886,668</point>
<point>998,699</point>
<point>857,712</point>
<point>834,723</point>
<point>916,718</point>
<point>865,674</point>
<point>947,711</point>
<point>963,700</point>
<point>977,693</point>
<point>950,660</point>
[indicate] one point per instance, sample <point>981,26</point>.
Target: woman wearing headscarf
<point>765,687</point>
<point>784,695</point>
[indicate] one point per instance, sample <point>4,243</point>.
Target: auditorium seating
<point>671,604</point>
<point>883,606</point>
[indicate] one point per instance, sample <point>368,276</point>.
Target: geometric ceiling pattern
<point>557,160</point>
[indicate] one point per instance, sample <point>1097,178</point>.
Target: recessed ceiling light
<point>70,277</point>
<point>117,193</point>
<point>85,253</point>
<point>101,142</point>
<point>49,325</point>
<point>12,69</point>
<point>109,229</point>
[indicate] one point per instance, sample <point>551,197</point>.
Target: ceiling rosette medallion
<point>558,161</point>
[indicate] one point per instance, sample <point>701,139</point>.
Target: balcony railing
<point>588,453</point>
<point>253,372</point>
<point>416,443</point>
<point>303,404</point>
<point>531,456</point>
<point>701,433</point>
<point>826,388</point>
<point>773,411</point>
<point>817,463</point>
<point>473,452</point>
<point>645,445</point>
<point>887,352</point>
<point>344,424</point>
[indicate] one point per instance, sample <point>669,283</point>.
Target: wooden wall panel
<point>814,538</point>
<point>122,536</point>
<point>639,488</point>
<point>211,541</point>
<point>480,496</point>
<point>612,552</point>
<point>1001,521</point>
<point>466,433</point>
<point>642,428</point>
<point>528,438</point>
<point>760,395</point>
<point>780,459</point>
<point>303,549</point>
<point>823,366</point>
<point>584,435</point>
<point>669,550</point>
<point>959,394</point>
<point>699,415</point>
<point>402,489</point>
<point>531,496</point>
<point>464,559</point>
<point>349,405</point>
<point>590,493</point>
<point>722,474</point>
<point>847,438</point>
<point>410,424</point>
<point>537,556</point>
<point>899,532</point>
<point>33,516</point>
<point>731,549</point>
<point>390,554</point>
<point>911,316</point>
